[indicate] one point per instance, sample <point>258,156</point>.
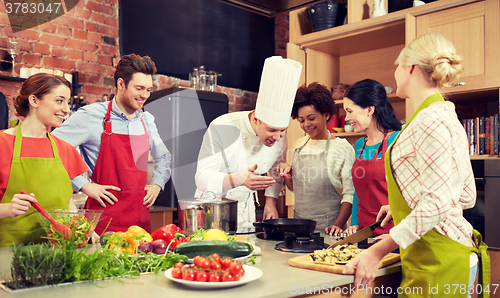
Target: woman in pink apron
<point>368,110</point>
<point>321,165</point>
<point>34,161</point>
<point>430,181</point>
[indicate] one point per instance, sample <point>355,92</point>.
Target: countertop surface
<point>278,280</point>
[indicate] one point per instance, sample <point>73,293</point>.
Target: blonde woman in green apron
<point>321,165</point>
<point>34,161</point>
<point>430,182</point>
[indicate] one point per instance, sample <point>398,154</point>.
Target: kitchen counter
<point>278,280</point>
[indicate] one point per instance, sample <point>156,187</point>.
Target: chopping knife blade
<point>359,235</point>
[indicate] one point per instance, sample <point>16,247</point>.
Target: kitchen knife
<point>359,235</point>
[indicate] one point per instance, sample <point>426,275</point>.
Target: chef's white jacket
<point>242,147</point>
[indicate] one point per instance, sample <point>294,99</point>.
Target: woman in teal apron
<point>321,178</point>
<point>430,182</point>
<point>34,161</point>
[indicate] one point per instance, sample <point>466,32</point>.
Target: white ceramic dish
<point>240,259</point>
<point>251,274</point>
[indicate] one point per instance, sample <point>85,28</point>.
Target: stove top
<point>296,244</point>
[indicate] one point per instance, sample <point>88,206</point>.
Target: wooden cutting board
<point>306,262</point>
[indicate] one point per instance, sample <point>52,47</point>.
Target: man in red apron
<point>115,139</point>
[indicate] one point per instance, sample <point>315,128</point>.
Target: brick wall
<point>86,40</point>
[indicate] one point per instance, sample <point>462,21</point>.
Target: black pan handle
<point>268,228</point>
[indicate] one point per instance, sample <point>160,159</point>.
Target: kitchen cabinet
<point>368,47</point>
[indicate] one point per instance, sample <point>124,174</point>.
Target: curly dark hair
<point>315,95</point>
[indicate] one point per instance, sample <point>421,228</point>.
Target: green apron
<point>47,179</point>
<point>434,265</point>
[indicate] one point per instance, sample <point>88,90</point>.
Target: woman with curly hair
<point>321,166</point>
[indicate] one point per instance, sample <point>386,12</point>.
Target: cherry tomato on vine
<point>227,276</point>
<point>214,277</point>
<point>235,268</point>
<point>215,265</point>
<point>202,276</point>
<point>215,257</point>
<point>226,262</point>
<point>177,273</point>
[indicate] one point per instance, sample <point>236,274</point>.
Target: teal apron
<point>47,179</point>
<point>435,264</point>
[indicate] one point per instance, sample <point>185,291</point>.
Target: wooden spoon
<point>64,230</point>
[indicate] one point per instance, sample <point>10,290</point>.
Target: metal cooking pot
<point>276,228</point>
<point>220,214</point>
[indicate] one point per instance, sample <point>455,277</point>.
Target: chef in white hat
<point>238,148</point>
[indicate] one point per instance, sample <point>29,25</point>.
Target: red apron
<point>368,177</point>
<point>117,166</point>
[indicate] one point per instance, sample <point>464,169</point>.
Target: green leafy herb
<point>45,264</point>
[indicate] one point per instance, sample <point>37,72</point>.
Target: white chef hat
<point>278,86</point>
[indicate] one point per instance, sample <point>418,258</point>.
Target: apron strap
<point>106,123</point>
<point>382,147</point>
<point>18,141</point>
<point>327,146</point>
<point>484,258</point>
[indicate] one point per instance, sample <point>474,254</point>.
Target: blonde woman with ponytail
<point>34,161</point>
<point>430,181</point>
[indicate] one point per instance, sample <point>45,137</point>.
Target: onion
<point>159,246</point>
<point>146,247</point>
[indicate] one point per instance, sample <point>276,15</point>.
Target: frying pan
<point>276,228</point>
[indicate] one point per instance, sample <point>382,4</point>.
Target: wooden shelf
<point>484,156</point>
<point>392,97</point>
<point>12,78</point>
<point>369,34</point>
<point>348,134</point>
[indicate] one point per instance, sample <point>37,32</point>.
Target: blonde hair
<point>436,56</point>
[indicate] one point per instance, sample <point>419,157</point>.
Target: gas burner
<point>301,244</point>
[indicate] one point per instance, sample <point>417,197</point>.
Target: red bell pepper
<point>170,233</point>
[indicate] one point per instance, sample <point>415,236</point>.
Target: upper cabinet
<point>368,47</point>
<point>474,29</point>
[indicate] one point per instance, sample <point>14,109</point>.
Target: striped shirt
<point>432,168</point>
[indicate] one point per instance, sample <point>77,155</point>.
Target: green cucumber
<point>207,247</point>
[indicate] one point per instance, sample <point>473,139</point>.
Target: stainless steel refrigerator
<point>182,116</point>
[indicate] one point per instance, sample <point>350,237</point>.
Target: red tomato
<point>226,262</point>
<point>196,261</point>
<point>227,276</point>
<point>215,265</point>
<point>215,257</point>
<point>177,272</point>
<point>236,276</point>
<point>189,275</point>
<point>242,272</point>
<point>202,276</point>
<point>235,268</point>
<point>204,264</point>
<point>214,277</point>
<point>179,265</point>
